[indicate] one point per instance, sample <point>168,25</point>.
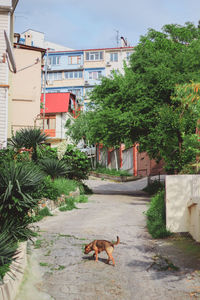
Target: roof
<point>84,50</point>
<point>56,102</point>
<point>27,47</point>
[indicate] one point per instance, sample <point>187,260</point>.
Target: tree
<point>136,107</point>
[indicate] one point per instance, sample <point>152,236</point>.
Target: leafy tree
<point>138,107</point>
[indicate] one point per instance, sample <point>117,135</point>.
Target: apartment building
<point>78,71</point>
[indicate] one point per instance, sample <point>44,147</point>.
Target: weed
<point>43,264</point>
<point>113,172</point>
<point>44,212</point>
<point>70,204</point>
<point>156,216</point>
<point>82,199</point>
<point>38,244</point>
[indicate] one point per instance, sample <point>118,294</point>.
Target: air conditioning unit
<point>81,66</point>
<point>48,67</point>
<point>86,82</point>
<point>108,64</point>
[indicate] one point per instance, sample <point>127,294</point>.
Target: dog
<point>102,245</point>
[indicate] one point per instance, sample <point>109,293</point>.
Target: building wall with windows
<point>7,8</point>
<point>79,71</point>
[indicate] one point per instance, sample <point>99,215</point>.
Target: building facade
<point>7,8</point>
<point>78,71</point>
<point>25,98</point>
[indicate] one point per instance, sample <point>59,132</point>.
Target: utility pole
<point>117,37</point>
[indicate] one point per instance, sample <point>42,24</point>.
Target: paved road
<point>59,270</point>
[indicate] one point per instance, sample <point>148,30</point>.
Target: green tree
<point>138,107</point>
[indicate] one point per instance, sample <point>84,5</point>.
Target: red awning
<point>56,102</point>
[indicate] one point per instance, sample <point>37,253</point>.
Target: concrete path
<point>58,269</point>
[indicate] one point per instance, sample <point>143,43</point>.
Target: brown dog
<point>102,245</point>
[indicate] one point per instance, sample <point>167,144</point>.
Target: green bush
<point>156,223</point>
<point>53,167</point>
<point>77,162</point>
<point>153,187</point>
<point>46,189</point>
<point>82,199</point>
<point>17,181</point>
<point>65,186</point>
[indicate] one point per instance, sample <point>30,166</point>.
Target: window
<point>113,56</point>
<point>95,75</point>
<point>54,60</point>
<point>76,92</point>
<point>94,55</point>
<point>73,75</point>
<point>54,76</point>
<point>50,122</point>
<point>128,54</point>
<point>74,60</point>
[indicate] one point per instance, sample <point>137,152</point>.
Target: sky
<point>85,24</point>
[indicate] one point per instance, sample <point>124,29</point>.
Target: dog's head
<point>88,248</point>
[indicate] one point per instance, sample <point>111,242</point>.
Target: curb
<point>9,288</point>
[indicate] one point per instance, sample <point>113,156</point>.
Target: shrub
<point>153,187</point>
<point>156,223</point>
<point>53,167</point>
<point>77,163</point>
<point>46,189</point>
<point>65,186</point>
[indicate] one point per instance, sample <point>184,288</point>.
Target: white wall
<point>182,197</point>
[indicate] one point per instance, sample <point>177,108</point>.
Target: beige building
<point>24,103</point>
<point>7,8</point>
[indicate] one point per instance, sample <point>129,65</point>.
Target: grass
<point>38,244</point>
<point>44,212</point>
<point>43,264</point>
<point>156,216</point>
<point>154,187</point>
<point>71,202</point>
<point>113,172</point>
<point>65,186</point>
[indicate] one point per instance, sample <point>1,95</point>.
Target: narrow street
<point>59,270</point>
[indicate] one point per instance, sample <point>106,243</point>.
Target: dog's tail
<point>117,242</point>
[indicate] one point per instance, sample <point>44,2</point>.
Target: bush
<point>82,199</point>
<point>53,167</point>
<point>46,189</point>
<point>153,187</point>
<point>65,186</point>
<point>77,163</point>
<point>156,223</point>
<point>17,181</point>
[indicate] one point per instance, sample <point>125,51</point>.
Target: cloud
<point>89,24</point>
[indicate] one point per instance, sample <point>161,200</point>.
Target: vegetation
<point>113,172</point>
<point>156,222</point>
<point>153,187</point>
<point>53,167</point>
<point>44,212</point>
<point>28,138</point>
<point>147,104</point>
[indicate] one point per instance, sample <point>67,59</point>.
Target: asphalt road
<point>58,269</point>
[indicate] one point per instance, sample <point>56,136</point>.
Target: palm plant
<point>28,138</point>
<point>17,181</point>
<point>8,252</point>
<point>53,167</point>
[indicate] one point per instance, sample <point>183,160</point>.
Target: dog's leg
<point>96,254</point>
<point>109,251</point>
